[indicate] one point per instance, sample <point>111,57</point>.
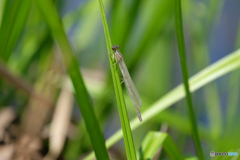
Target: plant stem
<point>127,132</point>
<point>183,60</point>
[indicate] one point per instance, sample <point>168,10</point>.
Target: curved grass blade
<point>54,22</point>
<point>209,74</point>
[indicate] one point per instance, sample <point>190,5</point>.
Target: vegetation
<point>60,97</point>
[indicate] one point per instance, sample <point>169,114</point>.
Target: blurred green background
<point>145,32</point>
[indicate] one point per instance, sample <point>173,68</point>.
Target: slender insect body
<point>131,89</point>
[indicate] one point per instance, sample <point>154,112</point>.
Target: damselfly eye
<point>115,47</point>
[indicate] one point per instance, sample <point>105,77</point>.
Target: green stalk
<point>182,54</point>
<point>127,133</point>
<point>54,23</point>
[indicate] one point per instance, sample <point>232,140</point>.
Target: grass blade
<point>183,60</point>
<point>54,22</point>
<point>127,133</point>
<point>209,74</point>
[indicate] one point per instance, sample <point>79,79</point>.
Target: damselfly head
<point>115,47</point>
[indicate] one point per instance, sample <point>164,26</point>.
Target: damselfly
<point>131,89</point>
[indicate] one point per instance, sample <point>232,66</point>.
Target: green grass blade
<point>54,22</point>
<point>152,143</point>
<point>13,21</point>
<point>209,74</point>
<point>127,133</point>
<point>183,60</point>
